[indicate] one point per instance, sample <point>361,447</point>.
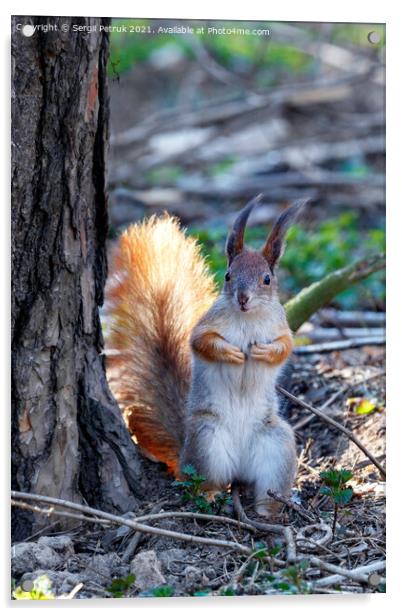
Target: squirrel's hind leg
<point>273,465</point>
<point>207,448</point>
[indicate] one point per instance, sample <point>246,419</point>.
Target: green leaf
<point>189,469</point>
<point>304,564</point>
<point>331,478</point>
<point>345,475</point>
<point>336,477</point>
<point>275,550</point>
<point>282,586</point>
<point>201,593</point>
<point>162,591</point>
<point>121,585</point>
<point>326,490</point>
<point>227,592</point>
<point>343,496</point>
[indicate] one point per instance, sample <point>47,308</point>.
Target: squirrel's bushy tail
<point>158,288</point>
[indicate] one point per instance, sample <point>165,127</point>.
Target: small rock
<point>62,544</point>
<point>75,563</point>
<point>210,572</point>
<point>27,556</point>
<point>147,570</point>
<point>22,558</point>
<point>193,576</point>
<point>46,557</point>
<point>101,568</point>
<point>170,556</point>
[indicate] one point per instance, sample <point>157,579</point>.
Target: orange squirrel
<point>196,370</point>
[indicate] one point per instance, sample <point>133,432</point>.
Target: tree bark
<point>68,437</point>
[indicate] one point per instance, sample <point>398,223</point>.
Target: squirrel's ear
<point>275,245</point>
<point>235,240</point>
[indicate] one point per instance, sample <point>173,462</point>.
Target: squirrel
<point>195,370</point>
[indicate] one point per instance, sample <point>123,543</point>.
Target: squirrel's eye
<point>227,276</point>
<point>267,279</point>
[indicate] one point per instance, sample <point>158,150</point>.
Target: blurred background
<point>201,123</point>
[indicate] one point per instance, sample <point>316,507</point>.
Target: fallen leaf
<point>363,406</point>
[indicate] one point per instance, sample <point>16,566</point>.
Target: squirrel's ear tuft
<point>275,245</point>
<point>235,240</point>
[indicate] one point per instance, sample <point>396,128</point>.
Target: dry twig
<point>333,423</point>
<point>338,345</point>
<point>119,520</point>
<point>361,574</point>
<point>289,503</point>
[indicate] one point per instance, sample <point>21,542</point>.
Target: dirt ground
<point>164,566</point>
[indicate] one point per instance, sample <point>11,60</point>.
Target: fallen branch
<point>334,424</point>
<point>285,531</point>
<point>135,540</point>
<point>314,153</point>
<point>19,498</point>
<point>306,420</point>
<point>339,345</point>
<point>62,514</point>
<point>119,520</point>
<point>333,334</point>
<point>351,318</point>
<point>73,592</point>
<point>223,110</point>
<point>298,508</point>
<point>274,184</point>
<point>360,574</point>
<point>300,308</point>
<point>365,463</point>
<point>327,535</point>
<point>196,516</point>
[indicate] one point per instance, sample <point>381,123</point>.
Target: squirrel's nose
<point>243,299</point>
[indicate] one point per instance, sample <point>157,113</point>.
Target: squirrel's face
<point>250,278</point>
<point>249,281</point>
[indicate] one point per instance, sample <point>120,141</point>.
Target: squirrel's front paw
<point>233,354</point>
<point>264,352</point>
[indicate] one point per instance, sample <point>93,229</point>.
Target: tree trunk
<point>68,437</point>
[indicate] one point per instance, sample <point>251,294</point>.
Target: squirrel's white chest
<point>244,331</point>
<point>239,393</point>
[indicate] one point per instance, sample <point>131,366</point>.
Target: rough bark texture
<point>68,438</point>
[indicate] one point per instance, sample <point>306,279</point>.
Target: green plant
<point>222,500</point>
<point>41,590</point>
<point>162,591</point>
<point>202,592</point>
<point>262,551</point>
<point>120,586</point>
<point>290,581</point>
<point>192,490</point>
<point>227,591</point>
<point>335,486</point>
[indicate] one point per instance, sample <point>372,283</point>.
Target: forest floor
<point>185,142</point>
<point>91,561</point>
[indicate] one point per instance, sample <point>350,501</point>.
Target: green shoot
<point>120,586</point>
<point>192,488</point>
<point>335,486</point>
